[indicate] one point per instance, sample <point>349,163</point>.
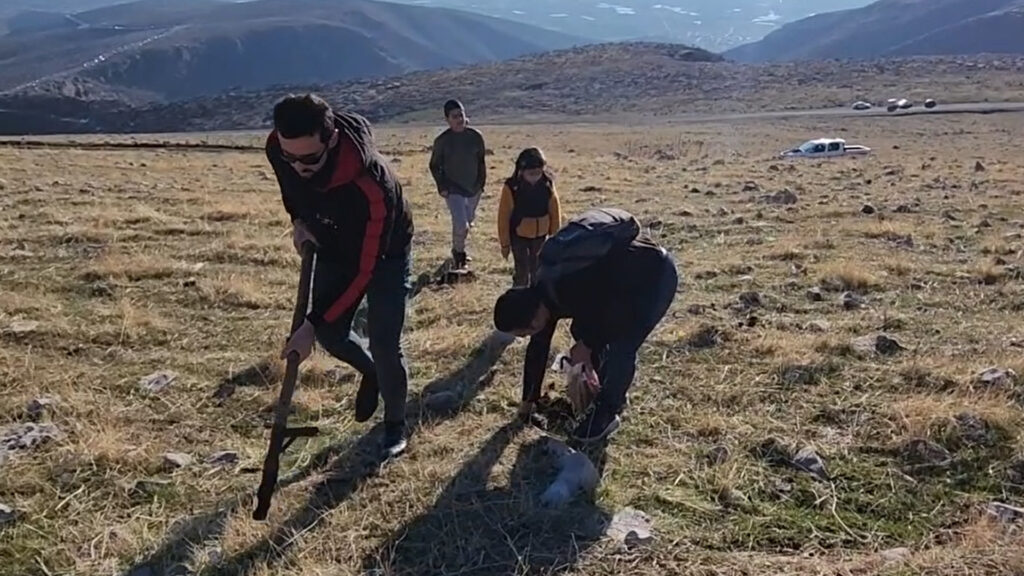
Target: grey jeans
<point>463,211</point>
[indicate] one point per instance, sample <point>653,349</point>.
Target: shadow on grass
<point>484,531</point>
<point>354,462</point>
<point>430,279</point>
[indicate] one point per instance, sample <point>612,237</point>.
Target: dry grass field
<point>118,264</point>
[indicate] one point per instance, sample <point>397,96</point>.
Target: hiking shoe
<point>394,439</point>
<point>459,260</point>
<point>598,424</point>
<point>367,398</point>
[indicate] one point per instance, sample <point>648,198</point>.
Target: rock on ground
<point>705,337</point>
<point>28,436</point>
<point>851,300</point>
<point>782,197</point>
<point>895,555</point>
<point>800,374</point>
<point>147,487</point>
<point>881,344</point>
<point>819,326</point>
<point>157,381</point>
<point>920,451</point>
<point>809,461</point>
<point>997,378</point>
<point>174,460</point>
<point>1005,512</point>
<point>576,475</point>
<point>223,458</point>
<point>750,300</point>
<point>8,515</point>
<point>630,527</point>
<point>37,407</point>
<point>973,430</point>
<point>21,327</point>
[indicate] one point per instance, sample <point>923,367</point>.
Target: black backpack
<point>583,241</point>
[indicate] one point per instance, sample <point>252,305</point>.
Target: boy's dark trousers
<point>382,357</point>
<point>616,363</point>
<point>525,254</point>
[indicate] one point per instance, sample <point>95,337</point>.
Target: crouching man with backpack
<point>615,285</point>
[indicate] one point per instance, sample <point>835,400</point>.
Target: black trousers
<point>525,253</point>
<point>380,355</point>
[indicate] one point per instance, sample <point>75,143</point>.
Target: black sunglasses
<point>308,159</point>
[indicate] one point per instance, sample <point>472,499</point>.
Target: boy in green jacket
<point>460,172</point>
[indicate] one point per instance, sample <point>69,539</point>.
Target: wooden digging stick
<point>280,435</point>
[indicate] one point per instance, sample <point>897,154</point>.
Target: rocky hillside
<point>152,51</point>
<point>897,28</point>
<point>591,81</point>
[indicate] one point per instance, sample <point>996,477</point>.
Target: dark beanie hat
<point>452,105</point>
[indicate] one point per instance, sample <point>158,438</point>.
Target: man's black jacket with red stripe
<point>354,207</point>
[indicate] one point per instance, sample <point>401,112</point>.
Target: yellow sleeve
<point>554,213</point>
<point>504,216</point>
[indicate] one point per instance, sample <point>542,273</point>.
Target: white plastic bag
<point>561,363</point>
<point>580,393</point>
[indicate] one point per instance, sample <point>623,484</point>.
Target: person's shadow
<point>352,463</point>
<point>473,529</point>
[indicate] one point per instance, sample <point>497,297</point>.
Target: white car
<point>861,105</point>
<point>929,103</point>
<point>825,148</point>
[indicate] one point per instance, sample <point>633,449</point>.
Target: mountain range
<point>153,64</point>
<point>896,28</point>
<point>710,24</point>
<point>155,50</point>
<point>626,81</point>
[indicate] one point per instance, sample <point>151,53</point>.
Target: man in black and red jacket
<point>343,196</point>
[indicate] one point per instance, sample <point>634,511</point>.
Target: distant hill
<point>159,50</point>
<point>710,24</point>
<point>595,81</point>
<point>897,28</point>
<point>9,8</point>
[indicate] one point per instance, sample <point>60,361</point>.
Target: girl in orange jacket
<point>528,212</point>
